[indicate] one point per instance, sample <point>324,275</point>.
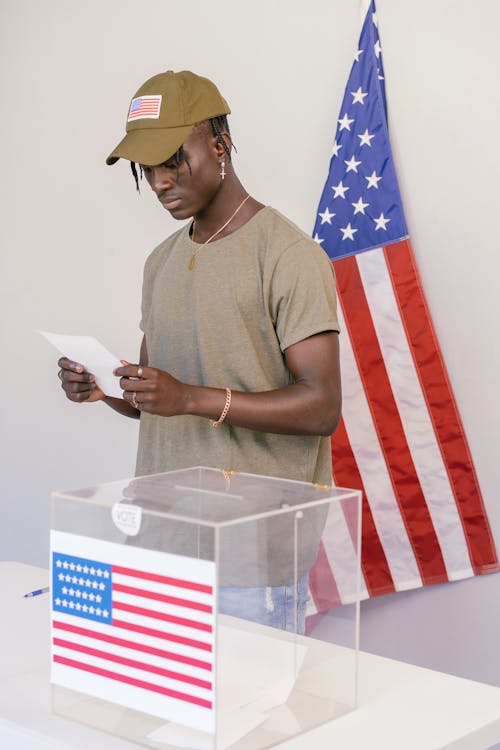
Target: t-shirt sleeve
<point>302,297</point>
<point>150,268</point>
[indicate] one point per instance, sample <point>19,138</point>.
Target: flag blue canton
<point>81,587</point>
<point>360,207</point>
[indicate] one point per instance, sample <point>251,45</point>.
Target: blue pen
<point>37,591</point>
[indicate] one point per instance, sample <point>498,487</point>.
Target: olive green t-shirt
<point>226,323</point>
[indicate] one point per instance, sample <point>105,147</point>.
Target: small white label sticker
<point>127,518</point>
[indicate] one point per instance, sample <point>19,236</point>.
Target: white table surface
<point>401,707</point>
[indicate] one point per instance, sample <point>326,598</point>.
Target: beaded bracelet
<point>225,410</point>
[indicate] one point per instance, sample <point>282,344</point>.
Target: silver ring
<point>139,372</point>
<point>134,400</point>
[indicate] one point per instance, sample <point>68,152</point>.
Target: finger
<point>134,384</point>
<point>68,376</point>
<point>78,388</point>
<point>67,364</point>
<point>132,371</point>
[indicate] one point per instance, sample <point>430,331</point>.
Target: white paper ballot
<point>89,352</point>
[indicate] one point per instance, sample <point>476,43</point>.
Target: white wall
<point>74,235</point>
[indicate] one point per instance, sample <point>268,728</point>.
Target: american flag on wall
<point>400,440</point>
<point>126,631</point>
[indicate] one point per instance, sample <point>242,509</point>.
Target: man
<point>239,364</point>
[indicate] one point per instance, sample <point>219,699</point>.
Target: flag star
<point>78,568</point>
<point>78,606</point>
<point>336,148</point>
<point>352,164</point>
<point>377,48</point>
<point>381,222</point>
<point>71,605</point>
<point>380,77</point>
<point>58,602</point>
<point>64,603</point>
<point>106,574</point>
<point>365,139</point>
<point>359,207</point>
<point>102,586</point>
<point>91,610</point>
<point>81,582</point>
<point>358,53</point>
<point>84,594</point>
<point>98,598</point>
<point>71,592</point>
<point>72,566</point>
<point>65,565</point>
<point>64,589</point>
<point>358,97</point>
<point>61,576</point>
<point>105,613</point>
<point>74,580</point>
<point>78,593</point>
<point>326,216</point>
<point>373,180</point>
<point>345,122</point>
<point>375,19</point>
<point>92,571</point>
<point>339,189</point>
<point>95,585</point>
<point>318,239</point>
<point>98,612</point>
<point>348,232</point>
<point>67,578</point>
<point>84,608</point>
<point>99,573</point>
<point>91,597</point>
<point>58,564</point>
<point>85,569</point>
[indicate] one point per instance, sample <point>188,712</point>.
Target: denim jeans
<point>268,605</point>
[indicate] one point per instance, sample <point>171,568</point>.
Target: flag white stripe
<point>132,653</point>
<point>373,470</point>
<point>341,554</point>
<point>416,422</point>
<point>169,627</point>
<point>178,592</point>
<point>162,607</point>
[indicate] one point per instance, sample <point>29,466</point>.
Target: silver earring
<point>222,172</point>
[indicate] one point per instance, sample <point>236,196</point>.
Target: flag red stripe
<point>132,681</point>
<point>142,647</point>
<point>191,585</point>
<point>162,598</point>
<point>322,583</point>
<point>441,405</point>
<point>132,663</point>
<point>162,616</point>
<point>161,634</point>
<point>387,422</point>
<point>374,563</point>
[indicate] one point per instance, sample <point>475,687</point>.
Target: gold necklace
<point>198,247</point>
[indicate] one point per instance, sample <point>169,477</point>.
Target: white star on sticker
<point>381,222</point>
<point>359,207</point>
<point>58,602</point>
<point>377,48</point>
<point>102,586</point>
<point>58,564</point>
<point>365,139</point>
<point>345,123</point>
<point>358,97</point>
<point>352,164</point>
<point>348,232</point>
<point>358,53</point>
<point>326,216</point>
<point>318,239</point>
<point>336,148</point>
<point>339,189</point>
<point>373,180</point>
<point>106,574</point>
<point>61,576</point>
<point>65,565</point>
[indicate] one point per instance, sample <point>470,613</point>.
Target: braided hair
<point>218,126</point>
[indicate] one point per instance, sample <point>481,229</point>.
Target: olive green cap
<point>162,114</point>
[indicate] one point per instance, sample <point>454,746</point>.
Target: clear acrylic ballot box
<point>205,609</point>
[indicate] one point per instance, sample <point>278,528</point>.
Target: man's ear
<point>220,148</point>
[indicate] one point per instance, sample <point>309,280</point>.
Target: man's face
<point>182,192</point>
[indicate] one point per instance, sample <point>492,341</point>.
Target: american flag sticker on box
<point>135,627</point>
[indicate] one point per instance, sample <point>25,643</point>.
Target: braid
<point>220,124</point>
<point>134,172</point>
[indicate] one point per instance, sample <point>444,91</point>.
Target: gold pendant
<point>191,263</point>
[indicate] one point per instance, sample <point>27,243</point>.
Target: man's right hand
<point>78,384</point>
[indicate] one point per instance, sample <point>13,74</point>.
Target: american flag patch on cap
<point>145,107</point>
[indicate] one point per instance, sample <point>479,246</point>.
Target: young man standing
<point>239,364</point>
